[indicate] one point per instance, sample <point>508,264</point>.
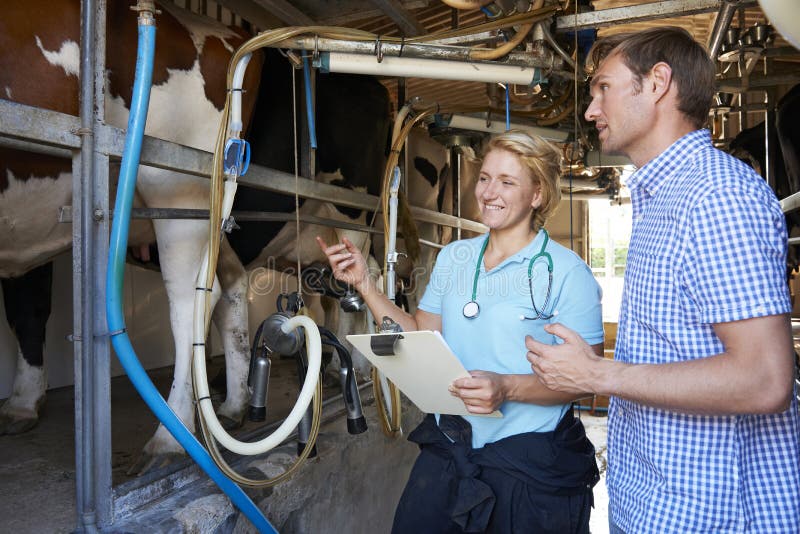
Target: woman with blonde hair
<point>533,469</point>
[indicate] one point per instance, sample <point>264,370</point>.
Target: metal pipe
<point>723,20</point>
<point>439,69</point>
<point>411,50</point>
<point>84,314</point>
<point>552,42</point>
<point>171,156</point>
<point>790,203</point>
<point>101,351</point>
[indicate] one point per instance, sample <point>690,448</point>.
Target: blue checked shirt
<point>708,246</point>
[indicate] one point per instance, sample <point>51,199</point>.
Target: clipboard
<point>420,364</point>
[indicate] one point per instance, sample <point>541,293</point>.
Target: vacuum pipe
<point>411,50</point>
<point>427,68</point>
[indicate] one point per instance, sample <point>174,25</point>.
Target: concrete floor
<point>37,469</point>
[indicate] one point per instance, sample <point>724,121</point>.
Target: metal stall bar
<point>27,122</point>
<point>790,203</point>
<point>90,242</point>
<point>100,221</point>
<point>82,164</point>
<point>640,12</point>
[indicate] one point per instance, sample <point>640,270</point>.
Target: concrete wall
<point>146,317</point>
<point>354,484</point>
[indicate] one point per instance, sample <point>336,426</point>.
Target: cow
<point>750,147</point>
<point>39,66</point>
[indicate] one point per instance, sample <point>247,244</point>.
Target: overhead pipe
<point>723,20</point>
<point>385,49</point>
<point>427,68</point>
<point>116,263</point>
<point>465,122</point>
<point>505,48</point>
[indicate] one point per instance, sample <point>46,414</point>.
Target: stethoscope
<point>471,308</point>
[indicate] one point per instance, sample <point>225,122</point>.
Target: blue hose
<point>312,130</point>
<point>116,264</point>
<point>508,109</point>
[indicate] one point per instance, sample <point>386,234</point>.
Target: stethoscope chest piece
<point>471,309</point>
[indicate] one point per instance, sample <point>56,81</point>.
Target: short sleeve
<point>431,301</point>
<point>735,259</point>
<point>579,304</point>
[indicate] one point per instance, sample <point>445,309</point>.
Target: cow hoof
<point>16,425</point>
<point>228,423</point>
<point>149,462</point>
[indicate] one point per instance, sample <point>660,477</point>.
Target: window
<point>609,235</point>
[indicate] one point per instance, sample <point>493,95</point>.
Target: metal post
<point>82,302</point>
<point>771,143</point>
<point>92,407</point>
<point>101,363</point>
<point>770,132</point>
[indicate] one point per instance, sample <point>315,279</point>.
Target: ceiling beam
<point>756,83</point>
<point>408,24</point>
<point>286,12</point>
<point>252,13</point>
<point>641,12</point>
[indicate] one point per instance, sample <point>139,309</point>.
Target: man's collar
<point>652,174</point>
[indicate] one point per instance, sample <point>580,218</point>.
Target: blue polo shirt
<point>495,340</point>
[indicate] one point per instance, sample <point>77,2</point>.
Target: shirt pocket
<point>651,268</point>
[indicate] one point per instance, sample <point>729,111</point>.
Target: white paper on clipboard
<point>423,367</point>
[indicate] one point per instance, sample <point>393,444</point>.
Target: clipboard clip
<point>383,344</point>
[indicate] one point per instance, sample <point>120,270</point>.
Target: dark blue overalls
<point>537,482</point>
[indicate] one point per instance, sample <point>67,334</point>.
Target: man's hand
<point>570,367</point>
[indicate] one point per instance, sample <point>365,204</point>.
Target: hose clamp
<point>378,51</point>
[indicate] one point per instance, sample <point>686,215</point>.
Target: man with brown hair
<point>704,434</point>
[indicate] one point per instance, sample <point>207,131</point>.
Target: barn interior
<point>757,53</point>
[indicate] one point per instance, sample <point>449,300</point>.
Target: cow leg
<point>180,249</point>
<point>27,303</point>
<point>230,317</point>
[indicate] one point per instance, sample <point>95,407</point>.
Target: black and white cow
<point>39,60</point>
<point>749,146</point>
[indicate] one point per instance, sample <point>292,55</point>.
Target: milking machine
<point>356,423</point>
<point>271,339</point>
<point>281,330</point>
<point>319,279</point>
